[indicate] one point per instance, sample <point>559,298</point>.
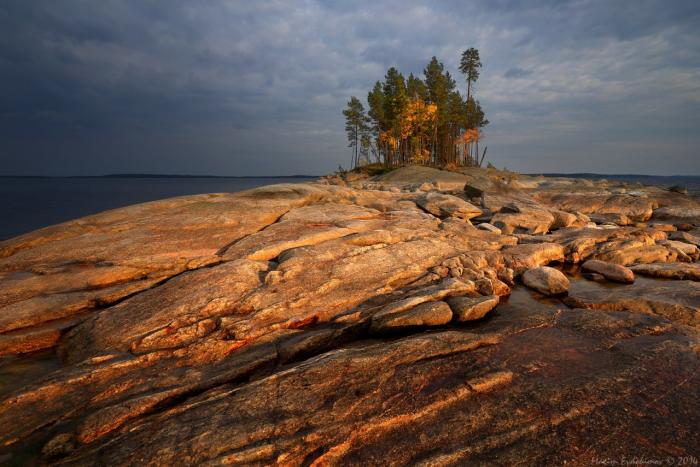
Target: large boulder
<point>546,280</point>
<point>563,219</point>
<point>634,253</point>
<point>527,220</point>
<point>613,272</point>
<point>531,255</point>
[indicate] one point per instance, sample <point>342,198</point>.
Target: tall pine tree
<point>355,127</point>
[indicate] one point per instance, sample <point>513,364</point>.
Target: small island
<point>419,121</point>
<point>419,316</point>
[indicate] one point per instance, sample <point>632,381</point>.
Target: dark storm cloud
<point>257,87</point>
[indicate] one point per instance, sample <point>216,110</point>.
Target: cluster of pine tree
<point>419,121</point>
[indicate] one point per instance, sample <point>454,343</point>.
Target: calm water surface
<point>27,204</point>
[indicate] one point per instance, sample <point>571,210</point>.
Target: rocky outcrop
<point>355,320</point>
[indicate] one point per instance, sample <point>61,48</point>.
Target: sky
<point>224,87</point>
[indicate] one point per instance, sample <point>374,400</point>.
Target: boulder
<point>613,272</point>
<point>528,221</point>
<point>562,219</point>
<point>442,205</point>
<point>634,254</point>
<point>470,308</point>
<point>425,314</point>
<point>446,288</point>
<point>546,280</point>
<point>492,286</point>
<point>527,256</point>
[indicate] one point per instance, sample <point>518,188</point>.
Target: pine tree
<point>377,121</point>
<point>395,101</point>
<point>416,88</point>
<point>355,126</point>
<point>469,65</point>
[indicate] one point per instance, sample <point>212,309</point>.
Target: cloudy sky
<point>256,87</point>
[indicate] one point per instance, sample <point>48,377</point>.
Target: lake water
<point>27,203</point>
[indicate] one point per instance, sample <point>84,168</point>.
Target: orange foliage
<point>470,135</point>
<point>417,117</point>
<point>386,138</point>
